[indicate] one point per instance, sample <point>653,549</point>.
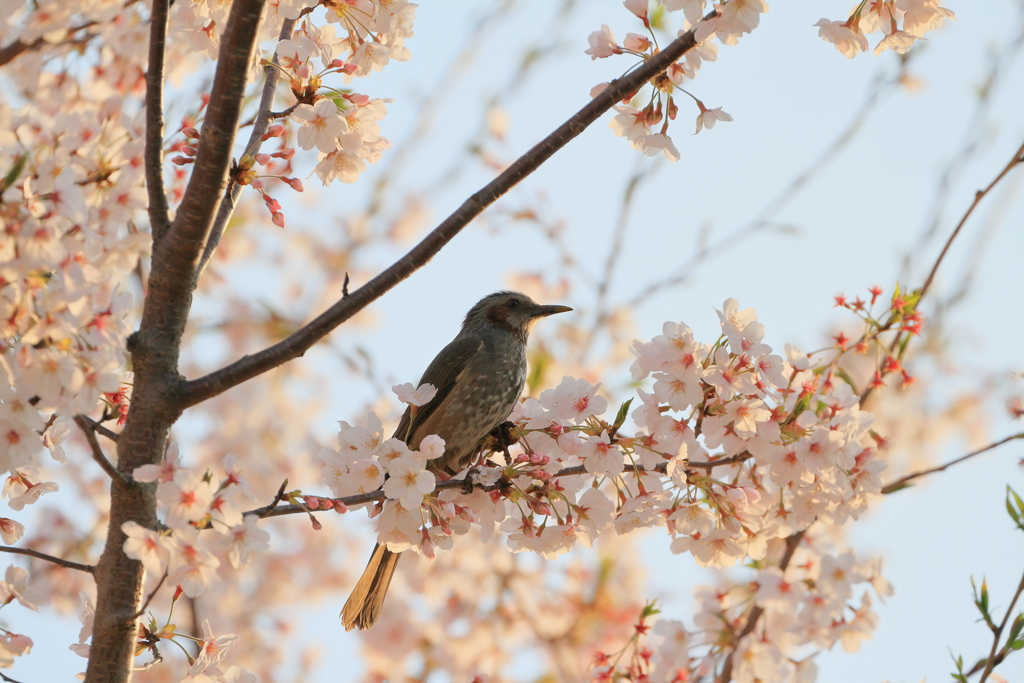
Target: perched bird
<point>479,378</point>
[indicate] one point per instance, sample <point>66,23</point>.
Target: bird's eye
<point>514,303</point>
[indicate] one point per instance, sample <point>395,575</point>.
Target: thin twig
<point>264,116</point>
<point>100,428</point>
<point>1018,158</point>
<point>149,598</point>
<point>67,564</point>
<point>154,153</point>
<point>275,510</point>
<point>298,343</point>
<point>97,452</point>
<point>902,481</point>
<point>991,661</point>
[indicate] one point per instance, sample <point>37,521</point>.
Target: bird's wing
<point>443,372</point>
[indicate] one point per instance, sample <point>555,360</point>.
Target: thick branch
<point>175,258</point>
<point>97,452</point>
<point>67,564</point>
<point>901,483</point>
<point>297,344</point>
<point>272,76</point>
<point>158,211</point>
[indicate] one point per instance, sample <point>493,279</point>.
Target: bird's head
<point>511,311</point>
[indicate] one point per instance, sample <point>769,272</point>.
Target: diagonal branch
<point>158,210</point>
<point>97,452</point>
<point>67,564</point>
<point>264,116</point>
<point>100,428</point>
<point>297,344</point>
<point>902,482</point>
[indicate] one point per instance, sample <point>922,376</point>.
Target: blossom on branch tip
<point>414,396</point>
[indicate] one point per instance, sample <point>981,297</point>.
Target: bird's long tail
<point>364,605</point>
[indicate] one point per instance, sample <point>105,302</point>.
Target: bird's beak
<point>544,311</point>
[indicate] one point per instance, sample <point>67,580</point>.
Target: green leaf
<point>1015,629</point>
<point>16,168</point>
<point>620,417</point>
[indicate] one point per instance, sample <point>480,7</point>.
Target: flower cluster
<point>901,23</point>
<point>816,600</point>
<point>737,452</point>
<point>730,21</point>
<point>193,503</point>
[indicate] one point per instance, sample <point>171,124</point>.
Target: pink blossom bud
<point>521,458</point>
<point>317,526</point>
<point>598,89</point>
<point>181,161</point>
<point>272,203</point>
<point>189,150</point>
<point>190,132</point>
<point>312,502</point>
<point>286,153</point>
<point>358,99</point>
<point>278,219</point>
<point>350,68</point>
<point>177,592</point>
<point>262,159</point>
<point>256,184</point>
<point>336,64</point>
<point>339,507</point>
<point>296,184</point>
<point>274,131</point>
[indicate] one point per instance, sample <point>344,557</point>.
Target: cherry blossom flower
<point>189,565</point>
<point>211,651</point>
<point>708,117</point>
<point>574,399</point>
<point>55,435</point>
<point>244,539</point>
<point>847,39</point>
<point>408,482</point>
<point>322,125</point>
<point>600,457</point>
<point>10,530</point>
<point>144,545</point>
<point>602,44</point>
<point>15,587</point>
<point>187,498</point>
<point>415,396</point>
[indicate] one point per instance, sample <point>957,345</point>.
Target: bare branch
<point>149,598</point>
<point>1018,158</point>
<point>100,428</point>
<point>67,564</point>
<point>97,452</point>
<point>902,482</point>
<point>297,344</point>
<point>264,116</point>
<point>158,210</point>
